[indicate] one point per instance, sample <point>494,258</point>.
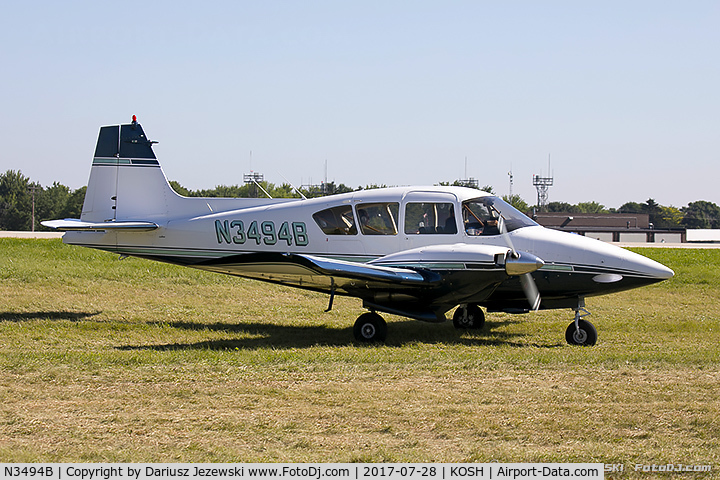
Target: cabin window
<point>336,221</point>
<point>430,218</point>
<point>378,218</point>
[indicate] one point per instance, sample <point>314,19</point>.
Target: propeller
<point>528,284</point>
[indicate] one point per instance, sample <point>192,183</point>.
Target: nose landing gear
<point>581,332</point>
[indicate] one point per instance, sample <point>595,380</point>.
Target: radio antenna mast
<point>542,184</point>
<point>510,174</point>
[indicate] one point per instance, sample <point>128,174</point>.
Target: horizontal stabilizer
<point>74,225</point>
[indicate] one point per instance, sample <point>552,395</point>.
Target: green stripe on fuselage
<point>110,161</point>
<point>557,268</point>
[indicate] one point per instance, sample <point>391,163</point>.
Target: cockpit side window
<point>481,216</point>
<point>336,221</point>
<point>430,218</point>
<point>378,218</point>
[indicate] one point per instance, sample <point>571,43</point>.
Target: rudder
<point>126,181</point>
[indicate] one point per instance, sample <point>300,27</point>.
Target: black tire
<point>586,337</point>
<point>370,328</point>
<point>469,317</point>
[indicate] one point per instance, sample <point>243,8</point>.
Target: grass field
<point>108,360</point>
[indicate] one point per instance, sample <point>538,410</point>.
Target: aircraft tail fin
<point>128,191</point>
<point>126,181</point>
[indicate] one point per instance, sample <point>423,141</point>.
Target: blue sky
<point>623,96</point>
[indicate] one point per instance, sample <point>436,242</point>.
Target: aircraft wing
<point>380,287</point>
<point>74,225</point>
<point>419,283</point>
<point>316,273</point>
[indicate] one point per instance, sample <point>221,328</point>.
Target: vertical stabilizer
<point>126,181</point>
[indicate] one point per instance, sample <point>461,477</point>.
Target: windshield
<point>480,216</point>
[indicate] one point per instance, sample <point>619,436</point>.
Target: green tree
<point>654,211</point>
<point>372,186</point>
<point>283,191</point>
<point>50,202</point>
<point>333,189</point>
<point>631,207</point>
<point>73,204</point>
<point>458,183</point>
<point>659,216</point>
<point>671,217</point>
<point>15,201</point>
<point>561,207</point>
<point>179,189</point>
<point>516,201</point>
<point>701,214</point>
<point>591,207</point>
<point>58,202</point>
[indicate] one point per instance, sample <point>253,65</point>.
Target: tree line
<point>23,202</point>
<point>20,198</point>
<point>699,214</point>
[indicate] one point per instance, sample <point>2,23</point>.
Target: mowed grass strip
<point>129,360</point>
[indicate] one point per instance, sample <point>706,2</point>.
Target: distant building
<point>611,227</point>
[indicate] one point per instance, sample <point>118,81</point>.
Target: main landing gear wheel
<point>370,328</point>
<point>583,334</point>
<point>468,317</point>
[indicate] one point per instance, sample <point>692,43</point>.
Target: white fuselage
<point>196,229</point>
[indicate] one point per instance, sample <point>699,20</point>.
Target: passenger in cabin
<point>424,226</point>
<point>364,223</point>
<point>450,224</point>
<point>362,214</point>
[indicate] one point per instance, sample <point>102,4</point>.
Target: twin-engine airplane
<point>417,252</point>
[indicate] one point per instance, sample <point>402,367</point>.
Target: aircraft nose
<point>635,266</point>
<point>650,268</point>
<point>616,267</point>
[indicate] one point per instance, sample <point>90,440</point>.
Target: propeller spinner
<point>522,264</point>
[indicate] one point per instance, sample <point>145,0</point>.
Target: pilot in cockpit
<point>483,224</point>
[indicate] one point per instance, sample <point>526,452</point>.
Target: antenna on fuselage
<point>263,190</point>
<point>293,186</point>
<point>255,178</point>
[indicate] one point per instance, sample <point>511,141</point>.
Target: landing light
<point>607,278</point>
